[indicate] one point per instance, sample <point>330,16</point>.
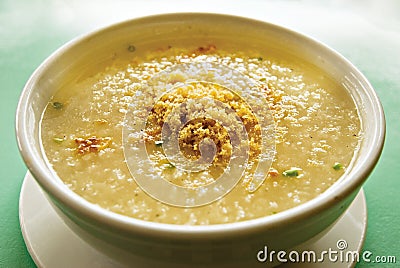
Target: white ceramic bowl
<point>118,235</point>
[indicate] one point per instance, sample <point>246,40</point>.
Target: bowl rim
<point>113,220</point>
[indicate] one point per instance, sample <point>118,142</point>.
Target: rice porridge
<point>315,124</point>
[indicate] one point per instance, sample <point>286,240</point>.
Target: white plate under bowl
<point>51,242</point>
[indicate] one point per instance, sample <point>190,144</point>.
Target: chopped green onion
<point>337,166</point>
<point>262,79</point>
<point>260,58</point>
<point>58,140</point>
<point>57,105</point>
<point>170,166</point>
<point>131,48</point>
<point>294,172</point>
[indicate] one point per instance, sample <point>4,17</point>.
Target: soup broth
<point>316,134</point>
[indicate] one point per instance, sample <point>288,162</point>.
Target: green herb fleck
<point>260,58</point>
<point>337,166</point>
<point>58,140</point>
<point>169,166</point>
<point>158,143</point>
<point>293,172</point>
<point>263,79</point>
<point>57,105</point>
<point>131,48</point>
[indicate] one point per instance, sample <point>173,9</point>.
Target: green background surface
<point>366,32</point>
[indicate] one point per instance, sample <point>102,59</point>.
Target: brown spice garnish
<point>273,172</point>
<point>204,50</point>
<point>196,131</point>
<point>92,144</point>
<point>166,104</point>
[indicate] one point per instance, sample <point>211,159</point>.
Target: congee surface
<point>316,134</point>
